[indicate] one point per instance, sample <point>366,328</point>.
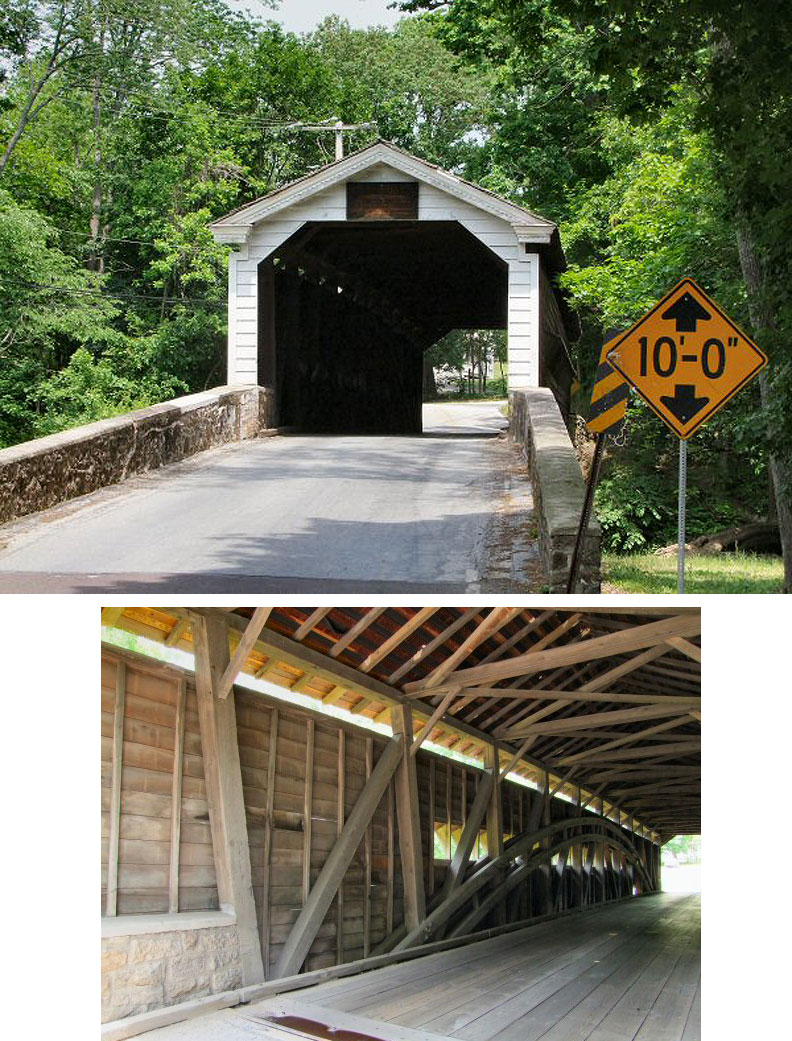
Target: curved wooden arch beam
<point>606,831</point>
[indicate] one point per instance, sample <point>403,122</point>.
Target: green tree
<point>406,81</point>
<point>735,60</point>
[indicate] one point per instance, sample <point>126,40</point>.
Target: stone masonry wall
<point>558,488</point>
<point>152,970</point>
<point>42,473</point>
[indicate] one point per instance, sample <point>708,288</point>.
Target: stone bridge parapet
<point>537,424</point>
<point>39,474</point>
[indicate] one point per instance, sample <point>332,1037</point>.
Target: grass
<point>721,573</point>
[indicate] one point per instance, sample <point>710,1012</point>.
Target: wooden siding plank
<point>115,801</point>
<point>308,809</point>
<point>331,875</point>
<point>176,799</point>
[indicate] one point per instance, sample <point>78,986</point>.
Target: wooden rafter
<point>244,647</point>
<point>597,719</point>
<point>397,639</point>
<point>428,649</point>
<point>629,739</point>
<point>496,619</point>
<point>313,619</point>
<point>642,636</point>
<point>368,619</point>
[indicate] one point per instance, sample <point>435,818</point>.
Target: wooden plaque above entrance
<point>387,200</point>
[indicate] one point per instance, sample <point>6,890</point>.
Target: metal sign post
<point>682,518</point>
<point>606,416</point>
<point>585,515</point>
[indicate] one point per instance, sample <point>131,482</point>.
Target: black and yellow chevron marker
<point>609,397</point>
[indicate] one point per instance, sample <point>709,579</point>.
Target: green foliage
<point>40,327</point>
<point>633,509</point>
<point>91,388</point>
<point>684,847</point>
<point>408,83</point>
<point>463,357</point>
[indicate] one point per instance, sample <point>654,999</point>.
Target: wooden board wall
<point>371,898</point>
<point>149,737</point>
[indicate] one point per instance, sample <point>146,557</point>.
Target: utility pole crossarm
<point>337,126</point>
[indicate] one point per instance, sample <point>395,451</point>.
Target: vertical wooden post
<point>431,836</point>
<point>267,851</point>
<point>409,822</point>
<point>367,859</point>
<point>115,790</point>
<point>176,798</point>
<point>223,775</point>
<point>546,869</point>
<point>391,859</point>
<point>494,821</point>
<point>495,808</point>
<point>448,806</point>
<point>579,856</point>
<point>307,809</point>
<point>340,817</point>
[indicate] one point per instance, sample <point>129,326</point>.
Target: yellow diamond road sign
<point>686,358</point>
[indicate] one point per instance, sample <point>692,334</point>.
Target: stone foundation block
<point>146,971</point>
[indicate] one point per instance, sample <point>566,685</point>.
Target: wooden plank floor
<point>624,973</point>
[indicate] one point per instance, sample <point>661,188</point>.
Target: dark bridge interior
<point>346,311</point>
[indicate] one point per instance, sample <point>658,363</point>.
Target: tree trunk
<point>762,318</point>
<point>96,259</point>
<point>24,118</point>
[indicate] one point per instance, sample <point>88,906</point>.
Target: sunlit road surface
<point>287,514</point>
<point>685,878</point>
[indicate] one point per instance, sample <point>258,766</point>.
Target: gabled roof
<point>235,225</point>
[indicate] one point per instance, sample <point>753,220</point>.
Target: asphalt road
<point>289,514</point>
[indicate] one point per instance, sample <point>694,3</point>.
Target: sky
<point>301,16</point>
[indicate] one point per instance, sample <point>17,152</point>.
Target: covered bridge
<point>407,823</point>
<point>339,281</point>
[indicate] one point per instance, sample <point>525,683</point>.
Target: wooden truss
<point>600,707</point>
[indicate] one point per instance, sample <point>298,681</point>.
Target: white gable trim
<point>235,228</point>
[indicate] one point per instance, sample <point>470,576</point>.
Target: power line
<point>50,287</point>
<point>153,106</point>
<point>155,110</point>
<point>100,238</point>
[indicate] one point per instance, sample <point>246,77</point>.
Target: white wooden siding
<point>381,172</point>
<point>523,330</point>
<point>434,205</point>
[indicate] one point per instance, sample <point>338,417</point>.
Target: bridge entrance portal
<point>347,311</point>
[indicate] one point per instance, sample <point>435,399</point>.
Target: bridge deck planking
<point>630,971</point>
